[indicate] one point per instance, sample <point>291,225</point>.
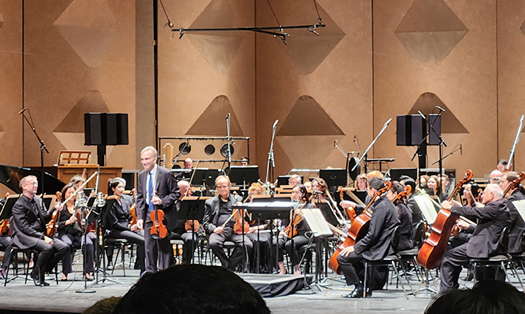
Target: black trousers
<point>133,237</point>
<point>294,247</point>
<point>240,253</point>
<point>190,243</point>
<point>158,252</point>
<point>352,268</point>
<point>7,244</point>
<point>48,256</point>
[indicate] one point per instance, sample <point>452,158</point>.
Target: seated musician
<point>294,180</point>
<point>492,219</point>
<point>29,225</point>
<point>495,176</point>
<point>405,232</point>
<point>218,223</point>
<point>189,235</point>
<point>71,233</point>
<point>321,199</point>
<point>516,245</point>
<point>502,166</point>
<point>361,183</point>
<point>293,238</point>
<point>6,243</point>
<point>415,211</point>
<point>375,245</point>
<point>117,220</point>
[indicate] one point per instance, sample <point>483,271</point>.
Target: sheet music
<point>520,206</point>
<point>315,220</point>
<point>427,207</point>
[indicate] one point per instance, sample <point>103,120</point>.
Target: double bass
<point>358,228</point>
<point>433,248</point>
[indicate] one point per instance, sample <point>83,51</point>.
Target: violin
<point>403,194</point>
<point>357,229</point>
<point>4,227</point>
<point>433,248</point>
<point>241,226</point>
<point>291,230</point>
<point>52,225</point>
<point>133,215</point>
<point>158,229</point>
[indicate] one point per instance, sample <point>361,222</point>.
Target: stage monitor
<point>410,130</point>
<point>105,128</point>
<point>397,173</point>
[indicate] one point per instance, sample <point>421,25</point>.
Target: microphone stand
<point>515,143</point>
<point>441,144</point>
<point>270,164</point>
<point>448,155</point>
<point>364,154</point>
<point>229,140</point>
<point>42,145</point>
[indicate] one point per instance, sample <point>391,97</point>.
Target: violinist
<point>68,230</point>
<point>492,219</point>
<point>415,211</point>
<point>190,239</point>
<point>405,232</point>
<point>293,238</point>
<point>516,244</point>
<point>361,183</point>
<point>375,245</point>
<point>219,222</point>
<point>156,190</point>
<point>29,224</point>
<point>117,220</point>
<point>322,200</point>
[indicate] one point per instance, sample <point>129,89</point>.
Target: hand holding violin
<point>219,230</point>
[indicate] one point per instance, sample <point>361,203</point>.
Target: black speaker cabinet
<point>410,130</point>
<point>106,128</point>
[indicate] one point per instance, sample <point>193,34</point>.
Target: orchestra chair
<point>499,261</point>
<point>119,245</point>
<point>30,254</point>
<point>391,261</point>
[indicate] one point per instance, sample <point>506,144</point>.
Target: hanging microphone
<point>275,124</point>
<point>461,149</point>
<point>22,111</point>
<point>227,116</point>
<point>421,114</point>
<point>439,108</point>
<point>335,143</point>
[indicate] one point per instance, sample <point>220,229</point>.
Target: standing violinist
<point>29,225</point>
<point>218,223</point>
<point>375,245</point>
<point>157,189</point>
<point>117,220</point>
<point>484,242</point>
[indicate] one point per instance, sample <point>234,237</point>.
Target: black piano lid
<point>10,176</point>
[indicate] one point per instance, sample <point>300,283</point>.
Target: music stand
<point>182,174</point>
<point>243,175</point>
<point>334,177</point>
<point>192,208</point>
<point>199,176</point>
<point>10,201</point>
<point>320,230</point>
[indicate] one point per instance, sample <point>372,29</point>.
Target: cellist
<point>492,219</point>
<point>375,245</point>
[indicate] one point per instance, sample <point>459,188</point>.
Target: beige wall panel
<point>10,83</point>
<point>77,49</point>
<point>464,79</point>
<point>333,69</point>
<point>511,75</point>
<point>195,70</point>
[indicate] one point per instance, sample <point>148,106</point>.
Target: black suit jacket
<point>211,211</point>
<point>517,225</point>
<point>376,244</point>
<point>117,214</point>
<point>417,215</point>
<point>28,222</point>
<point>492,219</point>
<point>166,189</point>
<point>405,231</point>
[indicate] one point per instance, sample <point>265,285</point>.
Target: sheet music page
<point>316,221</point>
<point>520,206</point>
<point>427,207</point>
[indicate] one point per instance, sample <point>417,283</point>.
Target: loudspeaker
<point>410,130</point>
<point>106,129</point>
<point>434,129</point>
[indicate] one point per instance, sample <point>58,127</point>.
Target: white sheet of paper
<point>428,209</point>
<point>316,221</point>
<point>520,206</point>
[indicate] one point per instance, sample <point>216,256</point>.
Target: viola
<point>291,230</point>
<point>133,215</point>
<point>241,226</point>
<point>52,225</point>
<point>158,228</point>
<point>4,227</point>
<point>435,245</point>
<point>193,225</point>
<point>357,229</point>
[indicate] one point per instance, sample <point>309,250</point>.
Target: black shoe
<point>358,293</point>
<point>43,283</point>
<point>36,277</point>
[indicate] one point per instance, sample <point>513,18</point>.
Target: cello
<point>433,248</point>
<point>358,228</point>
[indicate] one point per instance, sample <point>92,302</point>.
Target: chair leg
<point>365,279</point>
